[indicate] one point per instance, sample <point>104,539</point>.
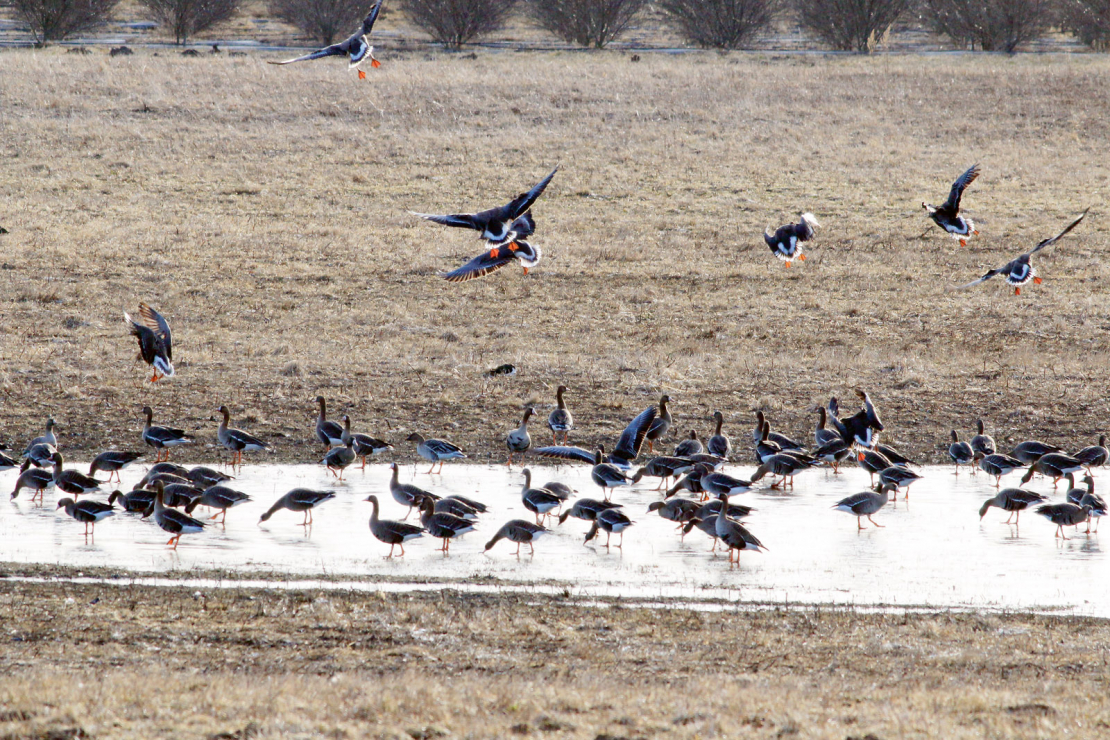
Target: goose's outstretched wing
<point>334,50</point>
<point>490,260</point>
<point>953,202</point>
<point>161,328</point>
<point>1053,240</point>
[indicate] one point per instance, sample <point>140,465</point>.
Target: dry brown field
<point>125,661</point>
<point>264,210</point>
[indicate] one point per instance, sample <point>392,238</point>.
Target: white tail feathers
<point>810,219</point>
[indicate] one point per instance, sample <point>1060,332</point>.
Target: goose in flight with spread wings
<point>947,215</point>
<point>1020,270</point>
<point>520,250</point>
<point>786,242</point>
<point>356,46</point>
<point>155,340</point>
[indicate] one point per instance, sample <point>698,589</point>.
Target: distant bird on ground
<point>786,242</point>
<point>521,532</point>
<point>162,438</point>
<point>390,532</point>
<point>357,46</point>
<point>519,440</point>
<point>500,226</point>
<point>947,215</point>
<point>299,499</point>
<point>112,462</point>
<point>524,252</point>
<point>435,450</point>
<point>1020,270</point>
<point>236,440</point>
<point>560,419</point>
<point>87,512</point>
<point>1013,500</point>
<point>155,341</point>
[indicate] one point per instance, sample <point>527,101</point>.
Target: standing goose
<point>390,532</point>
<point>328,433</point>
<point>822,435</point>
<point>895,457</point>
<point>786,242</point>
<point>205,477</point>
<point>560,420</point>
<point>36,479</point>
<point>7,463</point>
<point>407,494</point>
<point>873,462</point>
<point>613,521</point>
<point>587,509</point>
<point>719,443</point>
<point>1019,270</point>
<point>1094,456</point>
<point>663,467</point>
<point>339,458</point>
<point>833,452</point>
<point>690,446</point>
<point>606,475</point>
<point>1088,497</point>
<point>524,252</point>
<point>865,504</point>
<point>49,438</point>
<point>435,450</point>
<point>562,490</point>
<point>155,341</point>
<point>87,512</point>
<point>1013,500</point>
<point>786,466</point>
<point>41,455</point>
<point>112,462</point>
<point>712,508</point>
<point>135,502</point>
<point>677,509</point>
<point>356,47</point>
<point>443,526</point>
<point>218,497</point>
<point>500,226</point>
<point>299,499</point>
<point>947,215</point>
<point>690,482</point>
<point>785,443</point>
<point>171,520</point>
<point>1064,515</point>
<point>72,481</point>
<point>661,424</point>
<point>732,533</point>
<point>1054,465</point>
<point>999,465</point>
<point>162,438</point>
<point>364,445</point>
<point>960,452</point>
<point>236,440</point>
<point>898,477</point>
<point>519,440</point>
<point>720,484</point>
<point>982,444</point>
<point>520,532</point>
<point>539,501</point>
<point>1029,452</point>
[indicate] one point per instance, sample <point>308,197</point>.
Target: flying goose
<point>519,440</point>
<point>357,46</point>
<point>155,341</point>
<point>947,215</point>
<point>560,419</point>
<point>524,252</point>
<point>299,499</point>
<point>390,532</point>
<point>1013,500</point>
<point>786,242</point>
<point>236,440</point>
<point>520,532</point>
<point>87,512</point>
<point>1020,270</point>
<point>435,450</point>
<point>162,438</point>
<point>112,462</point>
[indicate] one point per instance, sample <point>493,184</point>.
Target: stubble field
<point>264,210</point>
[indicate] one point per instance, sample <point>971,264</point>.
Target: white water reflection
<point>933,550</point>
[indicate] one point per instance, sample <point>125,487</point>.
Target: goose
<point>1088,497</point>
<point>435,450</point>
<point>895,457</point>
<point>690,482</point>
<point>492,260</point>
<point>364,445</point>
<point>1064,515</point>
<point>166,478</point>
<point>171,520</point>
<point>1029,452</point>
<point>947,215</point>
<point>999,465</point>
<point>299,499</point>
<point>162,438</point>
<point>519,440</point>
<point>663,467</point>
<point>87,512</point>
<point>712,508</point>
<point>72,481</point>
<point>720,484</point>
<point>562,490</point>
<point>135,502</point>
<point>732,533</point>
<point>865,504</point>
<point>626,450</point>
<point>168,467</point>
<point>786,242</point>
<point>785,443</point>
<point>1020,270</point>
<point>112,462</point>
<point>236,440</point>
<point>661,424</point>
<point>7,463</point>
<point>356,46</point>
<point>390,532</point>
<point>180,495</point>
<point>36,479</point>
<point>785,465</point>
<point>218,497</point>
<point>719,444</point>
<point>960,452</point>
<point>613,521</point>
<point>606,475</point>
<point>49,438</point>
<point>873,462</point>
<point>862,428</point>
<point>690,446</point>
<point>677,509</point>
<point>1013,500</point>
<point>500,226</point>
<point>560,419</point>
<point>407,494</point>
<point>766,447</point>
<point>833,452</point>
<point>1094,456</point>
<point>155,341</point>
<point>205,477</point>
<point>898,477</point>
<point>1053,465</point>
<point>707,524</point>
<point>443,526</point>
<point>587,509</point>
<point>822,435</point>
<point>329,433</point>
<point>982,444</point>
<point>41,455</point>
<point>339,458</point>
<point>475,506</point>
<point>520,532</point>
<point>456,508</point>
<point>539,501</point>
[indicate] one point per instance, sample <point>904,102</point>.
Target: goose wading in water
<point>960,452</point>
<point>1064,515</point>
<point>407,494</point>
<point>1094,456</point>
<point>732,534</point>
<point>587,509</point>
<point>999,465</point>
<point>155,341</point>
<point>364,445</point>
<point>539,501</point>
<point>391,533</point>
<point>1019,271</point>
<point>519,531</point>
<point>299,499</point>
<point>947,215</point>
<point>865,504</point>
<point>1013,500</point>
<point>786,242</point>
<point>519,440</point>
<point>1054,465</point>
<point>613,521</point>
<point>435,450</point>
<point>606,475</point>
<point>982,444</point>
<point>236,440</point>
<point>719,443</point>
<point>72,481</point>
<point>87,512</point>
<point>1087,497</point>
<point>36,479</point>
<point>356,47</point>
<point>560,419</point>
<point>162,438</point>
<point>443,526</point>
<point>112,462</point>
<point>172,521</point>
<point>220,498</point>
<point>339,458</point>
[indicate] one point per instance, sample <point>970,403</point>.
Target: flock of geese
<point>695,491</point>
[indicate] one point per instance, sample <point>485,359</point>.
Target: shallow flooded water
<point>932,551</point>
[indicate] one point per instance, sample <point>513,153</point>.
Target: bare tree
<point>720,24</point>
<point>457,22</point>
<point>585,22</point>
<point>54,20</point>
<point>992,25</point>
<point>850,25</point>
<point>1089,20</point>
<point>189,17</point>
<point>321,20</point>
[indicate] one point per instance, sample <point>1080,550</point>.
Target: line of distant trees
<point>846,25</point>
